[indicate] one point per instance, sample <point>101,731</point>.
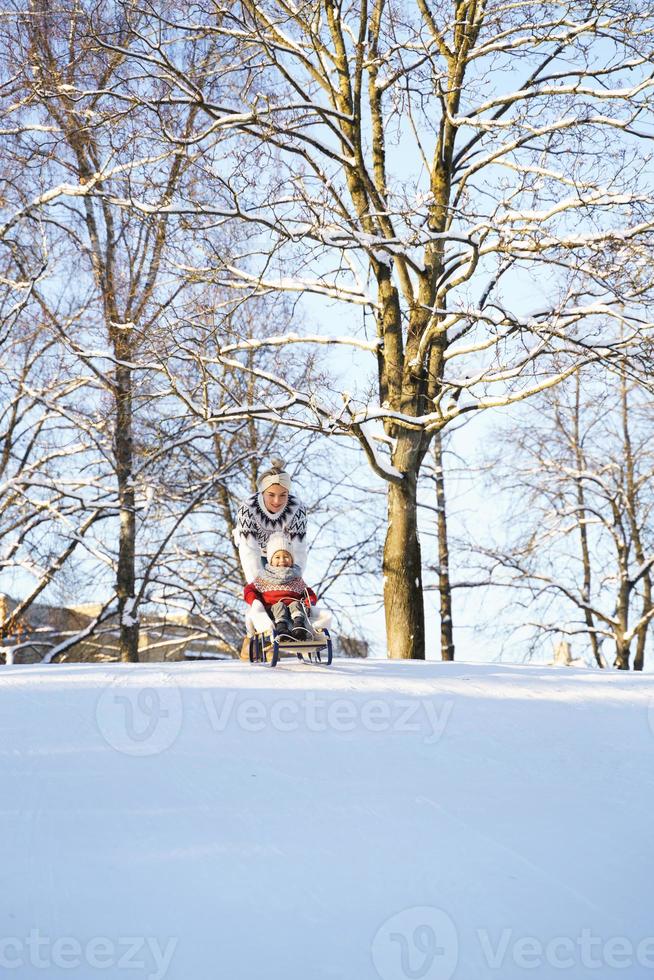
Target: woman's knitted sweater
<point>254,525</point>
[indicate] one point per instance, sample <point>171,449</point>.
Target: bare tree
<point>126,371</point>
<point>583,551</point>
<point>43,518</point>
<point>429,164</point>
<point>82,138</point>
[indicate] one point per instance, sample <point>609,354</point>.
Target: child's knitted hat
<point>276,474</point>
<point>279,542</point>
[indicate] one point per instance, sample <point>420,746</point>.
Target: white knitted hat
<point>276,474</point>
<point>279,542</point>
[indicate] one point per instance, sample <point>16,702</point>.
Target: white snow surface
<point>372,819</point>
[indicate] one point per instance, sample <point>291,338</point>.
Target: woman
<point>273,508</point>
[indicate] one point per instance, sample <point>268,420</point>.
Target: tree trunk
<point>621,661</point>
<point>444,587</point>
<point>403,601</point>
<point>639,658</point>
<point>583,530</point>
<point>125,576</point>
<point>632,510</point>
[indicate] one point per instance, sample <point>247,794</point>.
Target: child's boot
<point>282,620</point>
<point>301,628</point>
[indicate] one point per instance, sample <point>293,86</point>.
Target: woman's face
<point>275,498</point>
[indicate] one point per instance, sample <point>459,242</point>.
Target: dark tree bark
<point>444,586</point>
<point>124,455</point>
<point>632,510</point>
<point>583,530</point>
<point>402,567</point>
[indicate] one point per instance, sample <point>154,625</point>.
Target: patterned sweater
<point>255,524</point>
<point>270,590</point>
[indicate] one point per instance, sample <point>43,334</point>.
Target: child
<point>282,590</point>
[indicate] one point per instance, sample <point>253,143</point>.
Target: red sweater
<point>270,591</point>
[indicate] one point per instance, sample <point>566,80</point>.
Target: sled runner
<point>269,647</point>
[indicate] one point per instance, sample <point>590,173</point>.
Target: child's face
<point>281,559</point>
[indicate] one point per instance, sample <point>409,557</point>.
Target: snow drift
<point>393,820</point>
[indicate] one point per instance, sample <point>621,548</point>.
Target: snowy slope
<point>393,820</point>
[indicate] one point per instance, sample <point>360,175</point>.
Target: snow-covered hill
<point>393,820</point>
